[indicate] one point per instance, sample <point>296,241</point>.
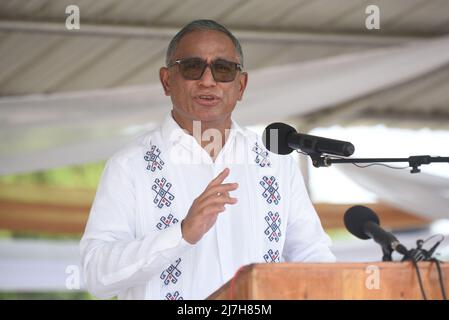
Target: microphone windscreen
<point>275,137</point>
<point>355,219</point>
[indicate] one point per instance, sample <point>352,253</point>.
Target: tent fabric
<point>45,131</point>
<point>423,194</point>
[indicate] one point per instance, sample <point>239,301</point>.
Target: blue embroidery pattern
<point>174,296</point>
<point>154,159</point>
<point>273,230</point>
<point>271,187</point>
<point>262,158</point>
<point>172,273</point>
<point>271,256</point>
<point>163,195</point>
<point>166,222</point>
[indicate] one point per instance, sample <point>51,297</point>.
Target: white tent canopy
<point>423,194</point>
<point>44,131</point>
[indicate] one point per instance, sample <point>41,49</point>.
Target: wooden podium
<point>299,281</point>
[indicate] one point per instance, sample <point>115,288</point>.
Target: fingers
<point>219,179</point>
<point>214,199</point>
<point>215,209</point>
<point>225,187</point>
<point>216,193</point>
<point>206,207</point>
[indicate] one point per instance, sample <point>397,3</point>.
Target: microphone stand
<point>387,254</point>
<point>413,255</point>
<point>414,162</point>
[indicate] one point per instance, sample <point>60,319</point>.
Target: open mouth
<point>207,100</point>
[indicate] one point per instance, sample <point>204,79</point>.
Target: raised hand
<point>205,208</point>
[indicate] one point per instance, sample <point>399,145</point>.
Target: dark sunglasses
<point>193,69</point>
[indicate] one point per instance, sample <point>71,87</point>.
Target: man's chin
<point>213,115</point>
<point>207,114</point>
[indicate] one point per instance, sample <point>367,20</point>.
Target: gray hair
<point>202,25</point>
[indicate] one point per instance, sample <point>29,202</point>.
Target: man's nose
<point>207,79</point>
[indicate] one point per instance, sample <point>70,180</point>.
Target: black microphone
<point>363,223</point>
<point>281,138</point>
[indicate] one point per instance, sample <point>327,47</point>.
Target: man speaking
<point>181,209</point>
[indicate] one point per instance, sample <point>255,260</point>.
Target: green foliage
<point>81,176</point>
<point>8,234</point>
<point>63,295</point>
<point>72,185</point>
<point>5,234</point>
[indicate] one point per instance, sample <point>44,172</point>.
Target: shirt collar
<point>173,133</point>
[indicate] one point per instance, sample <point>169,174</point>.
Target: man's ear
<point>243,80</point>
<point>164,77</point>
